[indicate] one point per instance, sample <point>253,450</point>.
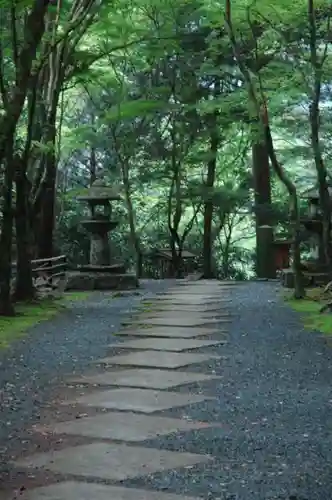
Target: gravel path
<point>274,408</point>
<point>54,350</point>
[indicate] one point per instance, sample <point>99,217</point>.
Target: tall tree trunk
<point>265,263</point>
<point>6,234</point>
<point>47,215</point>
<point>24,288</point>
<point>174,218</point>
<point>135,240</point>
<point>208,205</point>
<point>261,116</point>
<point>93,165</point>
<point>299,291</point>
<point>317,63</point>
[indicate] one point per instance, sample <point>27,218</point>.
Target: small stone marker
<point>140,400</point>
<point>145,378</point>
<point>157,359</point>
<point>110,461</point>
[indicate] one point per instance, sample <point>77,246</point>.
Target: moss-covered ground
<point>309,309</point>
<point>30,314</point>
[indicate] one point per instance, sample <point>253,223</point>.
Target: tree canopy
<point>165,100</point>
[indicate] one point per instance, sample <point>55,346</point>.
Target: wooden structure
<point>158,264</point>
<point>282,253</point>
<point>50,269</point>
<point>315,270</point>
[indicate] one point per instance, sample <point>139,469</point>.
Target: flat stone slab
<point>208,292</point>
<point>186,308</point>
<point>78,490</point>
<point>184,300</point>
<point>110,461</point>
<point>169,321</point>
<point>123,426</point>
<point>145,378</point>
<point>157,359</point>
<point>140,400</point>
<point>178,314</point>
<point>169,332</point>
<point>186,290</point>
<point>176,345</point>
<point>202,297</point>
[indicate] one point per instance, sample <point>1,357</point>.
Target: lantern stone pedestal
<point>100,273</point>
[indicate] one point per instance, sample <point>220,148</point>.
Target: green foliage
<point>146,87</point>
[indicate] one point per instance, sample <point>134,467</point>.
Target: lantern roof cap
<point>100,191</point>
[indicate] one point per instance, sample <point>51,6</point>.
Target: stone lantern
<point>314,227</point>
<point>100,273</point>
<point>99,198</point>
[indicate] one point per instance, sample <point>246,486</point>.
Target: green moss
<point>312,318</point>
<point>69,296</point>
<point>30,314</point>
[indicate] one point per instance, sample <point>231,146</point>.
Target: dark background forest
<point>209,118</point>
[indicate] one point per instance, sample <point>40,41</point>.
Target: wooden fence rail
<point>50,268</point>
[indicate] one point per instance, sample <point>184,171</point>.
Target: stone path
<point>162,350</point>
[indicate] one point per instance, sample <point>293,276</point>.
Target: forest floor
<point>310,310</point>
<point>245,417</point>
<point>27,315</point>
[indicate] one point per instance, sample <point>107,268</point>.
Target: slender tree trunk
<point>265,264</point>
<point>176,250</point>
<point>93,165</point>
<point>299,291</point>
<point>6,235</point>
<point>323,187</point>
<point>24,288</point>
<point>226,252</point>
<point>208,205</point>
<point>317,62</point>
<point>135,241</point>
<point>261,115</point>
<point>47,214</point>
<point>175,194</point>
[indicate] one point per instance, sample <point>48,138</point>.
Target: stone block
<point>163,344</point>
<point>157,359</point>
<point>78,490</point>
<point>140,400</point>
<point>110,461</point>
<point>123,426</point>
<point>145,378</point>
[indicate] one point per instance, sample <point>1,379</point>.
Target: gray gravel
<point>55,349</point>
<point>273,407</point>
